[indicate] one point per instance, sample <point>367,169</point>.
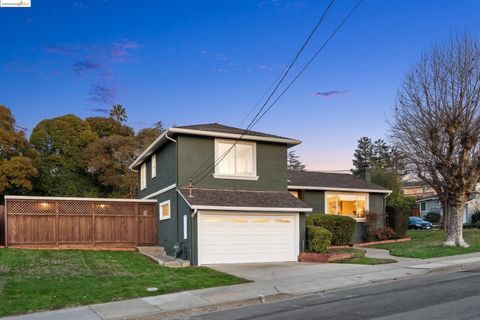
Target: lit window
<point>347,204</point>
<point>235,160</point>
<point>294,193</point>
<point>165,210</point>
<point>154,165</point>
<point>143,176</point>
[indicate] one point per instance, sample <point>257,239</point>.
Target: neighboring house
<point>417,189</point>
<point>239,210</point>
<point>340,194</point>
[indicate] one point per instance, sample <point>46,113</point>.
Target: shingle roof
<point>241,198</point>
<point>216,127</point>
<point>414,184</point>
<point>325,180</point>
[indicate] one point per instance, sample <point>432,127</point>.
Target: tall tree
<point>294,163</point>
<point>381,154</point>
<point>363,155</point>
<point>146,136</point>
<point>17,159</point>
<point>436,125</point>
<point>119,113</point>
<point>60,143</point>
<point>105,127</point>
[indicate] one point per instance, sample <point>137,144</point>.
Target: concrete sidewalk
<point>270,282</point>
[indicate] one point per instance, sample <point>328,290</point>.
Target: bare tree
<point>436,125</point>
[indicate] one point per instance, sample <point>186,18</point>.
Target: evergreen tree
<point>363,155</point>
<point>294,163</point>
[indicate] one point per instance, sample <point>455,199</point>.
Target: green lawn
<point>360,258</point>
<point>32,280</point>
<point>428,244</point>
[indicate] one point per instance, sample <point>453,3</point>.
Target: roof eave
<point>295,187</point>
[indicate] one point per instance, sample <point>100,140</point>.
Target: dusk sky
<point>210,61</point>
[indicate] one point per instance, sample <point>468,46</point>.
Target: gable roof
<point>314,180</point>
<point>215,130</point>
<point>246,200</point>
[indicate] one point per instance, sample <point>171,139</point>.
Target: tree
<point>17,159</point>
<point>436,125</point>
<point>363,155</point>
<point>118,113</point>
<point>108,159</point>
<point>146,136</point>
<point>381,156</point>
<point>293,162</point>
<point>60,143</point>
<point>105,127</point>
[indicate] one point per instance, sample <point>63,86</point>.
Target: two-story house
<point>233,210</point>
<point>225,195</point>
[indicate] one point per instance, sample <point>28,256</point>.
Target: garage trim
<point>296,227</point>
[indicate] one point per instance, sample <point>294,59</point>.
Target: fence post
<point>56,222</point>
<point>93,224</point>
<point>5,223</point>
<point>136,233</point>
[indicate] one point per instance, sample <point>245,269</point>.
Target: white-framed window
<point>423,206</point>
<point>185,227</point>
<point>238,161</point>
<point>143,176</point>
<point>154,165</point>
<point>352,204</point>
<point>164,210</point>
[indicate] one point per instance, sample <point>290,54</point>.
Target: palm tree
<point>118,113</point>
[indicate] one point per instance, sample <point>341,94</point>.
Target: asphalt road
<point>452,296</point>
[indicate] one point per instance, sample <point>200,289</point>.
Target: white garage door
<point>247,237</point>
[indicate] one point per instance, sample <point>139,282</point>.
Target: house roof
<point>407,184</point>
<point>246,200</point>
<point>315,180</point>
<point>215,130</point>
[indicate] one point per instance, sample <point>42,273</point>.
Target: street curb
<point>209,308</point>
<point>456,267</point>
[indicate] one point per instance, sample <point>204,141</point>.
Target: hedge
<point>397,218</point>
<point>433,217</point>
<point>341,227</point>
<point>318,239</point>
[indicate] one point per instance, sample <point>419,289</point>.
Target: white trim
<point>339,189</point>
<point>184,199</point>
<point>160,211</point>
<point>235,136</point>
<point>143,176</point>
<point>185,227</point>
<point>234,149</point>
<point>148,150</point>
<point>154,165</point>
<point>78,198</point>
<point>230,177</point>
<point>249,209</point>
<point>170,187</point>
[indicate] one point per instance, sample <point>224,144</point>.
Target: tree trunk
<point>455,225</point>
<point>445,217</point>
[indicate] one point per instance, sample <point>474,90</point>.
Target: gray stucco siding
<point>314,198</point>
<point>188,245</point>
<point>196,153</point>
<point>377,205</point>
<point>166,170</point>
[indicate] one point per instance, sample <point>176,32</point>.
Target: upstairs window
<point>154,165</point>
<point>235,161</point>
<point>143,176</point>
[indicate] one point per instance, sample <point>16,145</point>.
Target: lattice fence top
<point>79,207</point>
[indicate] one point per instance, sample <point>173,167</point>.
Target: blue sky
<point>210,61</point>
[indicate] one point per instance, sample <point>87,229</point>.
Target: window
<point>154,165</point>
<point>348,204</point>
<point>185,227</point>
<point>423,206</point>
<point>143,176</point>
<point>165,210</point>
<point>294,193</point>
<point>238,161</point>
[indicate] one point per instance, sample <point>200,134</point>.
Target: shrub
<point>476,218</point>
<point>375,229</point>
<point>433,217</point>
<point>397,218</point>
<point>318,239</point>
<point>341,227</point>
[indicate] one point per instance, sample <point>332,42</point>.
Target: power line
<point>283,74</point>
<point>257,118</point>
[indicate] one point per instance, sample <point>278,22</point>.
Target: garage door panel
<point>247,237</point>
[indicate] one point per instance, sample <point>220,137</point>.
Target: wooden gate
<point>67,222</point>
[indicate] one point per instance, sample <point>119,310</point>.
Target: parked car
<point>418,223</point>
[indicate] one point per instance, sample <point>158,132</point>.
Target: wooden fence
<point>64,222</point>
<point>2,225</point>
